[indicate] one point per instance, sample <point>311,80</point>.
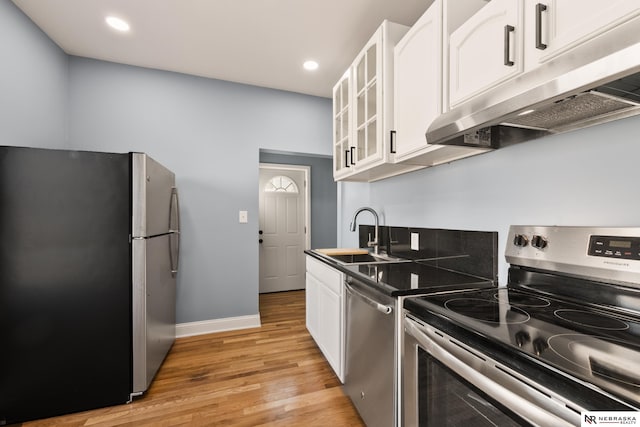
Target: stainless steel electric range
<point>558,343</point>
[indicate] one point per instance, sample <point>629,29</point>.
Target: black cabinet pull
<point>260,232</point>
<point>392,142</point>
<point>353,156</point>
<point>260,241</point>
<point>508,29</point>
<point>539,9</point>
<point>346,158</point>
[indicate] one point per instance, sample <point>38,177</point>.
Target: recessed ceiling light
<point>117,23</point>
<point>310,65</point>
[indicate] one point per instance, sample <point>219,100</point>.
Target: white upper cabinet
<point>486,50</point>
<point>507,38</point>
<point>420,62</point>
<point>417,82</point>
<point>364,152</point>
<point>556,26</point>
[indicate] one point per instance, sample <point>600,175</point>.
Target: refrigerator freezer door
<point>154,310</point>
<point>153,197</point>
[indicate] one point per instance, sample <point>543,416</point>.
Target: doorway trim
<point>307,194</point>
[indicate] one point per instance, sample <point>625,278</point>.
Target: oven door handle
<point>411,328</point>
<point>384,309</point>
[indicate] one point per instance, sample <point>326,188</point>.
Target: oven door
<point>448,384</point>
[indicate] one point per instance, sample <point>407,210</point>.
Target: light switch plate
<point>243,217</point>
<point>415,241</point>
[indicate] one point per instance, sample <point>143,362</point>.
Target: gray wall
<point>209,132</point>
<point>324,205</point>
<point>33,83</point>
<point>587,177</point>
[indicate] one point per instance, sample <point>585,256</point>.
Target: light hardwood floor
<point>269,376</point>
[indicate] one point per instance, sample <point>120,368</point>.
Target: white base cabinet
<point>325,312</point>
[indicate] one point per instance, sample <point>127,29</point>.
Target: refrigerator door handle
<point>174,214</point>
<point>174,252</point>
<point>174,229</point>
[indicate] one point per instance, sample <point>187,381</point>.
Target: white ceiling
<point>257,42</point>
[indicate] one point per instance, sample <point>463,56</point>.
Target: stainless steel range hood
<point>585,92</point>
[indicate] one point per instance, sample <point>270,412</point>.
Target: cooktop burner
<point>591,319</point>
<point>604,357</point>
<point>521,300</point>
<point>486,310</point>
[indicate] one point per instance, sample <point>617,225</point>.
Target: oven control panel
<point>608,253</point>
<point>615,247</point>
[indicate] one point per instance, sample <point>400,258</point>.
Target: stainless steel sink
<point>364,259</point>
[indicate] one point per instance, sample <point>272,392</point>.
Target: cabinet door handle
<point>539,9</point>
<point>353,155</point>
<point>392,142</point>
<point>346,158</point>
<point>508,29</point>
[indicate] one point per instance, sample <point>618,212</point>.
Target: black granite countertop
<point>408,277</point>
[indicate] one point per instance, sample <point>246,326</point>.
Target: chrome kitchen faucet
<point>375,243</point>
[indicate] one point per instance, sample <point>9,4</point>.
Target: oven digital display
<point>615,247</point>
<point>624,244</point>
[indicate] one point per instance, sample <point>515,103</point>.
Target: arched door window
<point>281,184</point>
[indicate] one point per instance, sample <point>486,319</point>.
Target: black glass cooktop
<point>410,278</point>
<point>598,345</point>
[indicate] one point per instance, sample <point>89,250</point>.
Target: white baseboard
<point>217,325</point>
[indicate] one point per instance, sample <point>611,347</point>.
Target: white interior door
<point>283,227</point>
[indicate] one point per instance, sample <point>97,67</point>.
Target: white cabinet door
<point>556,26</point>
<point>330,325</point>
<point>312,306</point>
<point>486,50</point>
<point>417,82</point>
<point>367,102</point>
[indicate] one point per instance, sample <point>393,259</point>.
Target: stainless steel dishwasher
<point>370,353</point>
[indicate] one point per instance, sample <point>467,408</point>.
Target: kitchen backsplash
<point>472,252</point>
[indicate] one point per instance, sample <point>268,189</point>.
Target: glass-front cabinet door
<point>343,160</point>
<point>368,96</point>
<point>363,110</point>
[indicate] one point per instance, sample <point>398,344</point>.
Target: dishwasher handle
<point>384,309</point>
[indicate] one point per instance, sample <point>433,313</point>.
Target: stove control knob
<point>522,337</point>
<point>520,240</point>
<point>539,345</point>
<point>539,242</point>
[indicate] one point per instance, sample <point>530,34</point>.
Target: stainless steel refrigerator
<point>89,248</point>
